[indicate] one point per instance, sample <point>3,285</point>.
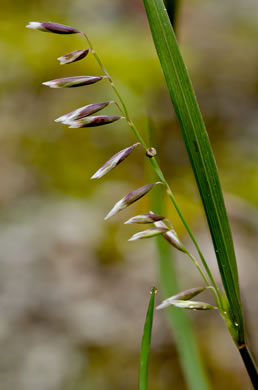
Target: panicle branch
<point>83,117</point>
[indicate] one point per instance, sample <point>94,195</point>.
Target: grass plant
<point>226,301</point>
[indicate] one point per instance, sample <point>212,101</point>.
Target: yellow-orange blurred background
<point>73,291</point>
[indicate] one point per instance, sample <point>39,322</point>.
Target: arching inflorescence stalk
<point>88,116</point>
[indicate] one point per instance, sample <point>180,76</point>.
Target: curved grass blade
<point>146,341</point>
<point>200,155</point>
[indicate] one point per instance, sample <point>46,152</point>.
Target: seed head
<point>74,56</point>
<point>74,81</point>
<point>148,233</point>
<point>171,236</point>
<point>52,27</point>
<point>81,112</point>
<point>190,305</point>
<point>92,121</point>
<point>183,296</point>
<point>114,161</point>
<point>131,198</point>
<point>145,218</point>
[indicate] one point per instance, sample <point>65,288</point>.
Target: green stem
<point>213,290</point>
<point>172,197</point>
<point>157,169</point>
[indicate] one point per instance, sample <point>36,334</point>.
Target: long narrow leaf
<point>146,342</point>
<point>200,155</point>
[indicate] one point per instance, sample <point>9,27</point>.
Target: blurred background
<point>73,291</point>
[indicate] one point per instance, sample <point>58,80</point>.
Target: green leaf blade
<point>199,151</point>
<point>146,342</point>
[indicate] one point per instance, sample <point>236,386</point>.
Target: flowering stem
<point>213,289</point>
<point>154,163</point>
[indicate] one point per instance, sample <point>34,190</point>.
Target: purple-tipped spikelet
<point>55,28</point>
<point>188,294</point>
<point>74,81</point>
<point>92,121</point>
<point>81,112</point>
<point>148,233</point>
<point>114,161</point>
<point>131,198</point>
<point>190,305</point>
<point>145,218</point>
<point>171,236</point>
<point>182,296</point>
<point>74,56</point>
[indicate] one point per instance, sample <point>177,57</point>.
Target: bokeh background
<point>73,291</point>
